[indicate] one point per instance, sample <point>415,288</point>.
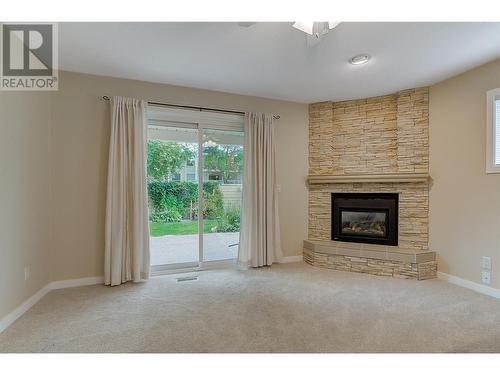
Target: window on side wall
<point>493,132</point>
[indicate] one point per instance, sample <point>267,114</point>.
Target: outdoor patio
<point>173,249</point>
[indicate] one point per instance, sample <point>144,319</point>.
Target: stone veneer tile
<point>399,269</point>
<point>413,208</point>
<point>386,134</point>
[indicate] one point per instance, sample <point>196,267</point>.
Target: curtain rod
<point>276,117</point>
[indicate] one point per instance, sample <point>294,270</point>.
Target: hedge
<point>172,201</point>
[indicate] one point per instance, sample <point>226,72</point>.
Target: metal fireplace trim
<point>376,202</point>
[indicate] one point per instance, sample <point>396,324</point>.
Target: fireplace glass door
<point>364,223</point>
<point>365,217</point>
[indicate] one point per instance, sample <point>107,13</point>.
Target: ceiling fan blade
<point>246,24</point>
<point>306,27</point>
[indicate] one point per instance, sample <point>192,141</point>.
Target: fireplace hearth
<point>365,217</point>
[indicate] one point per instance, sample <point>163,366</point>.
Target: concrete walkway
<point>173,249</point>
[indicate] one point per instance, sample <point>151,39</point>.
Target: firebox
<point>365,217</point>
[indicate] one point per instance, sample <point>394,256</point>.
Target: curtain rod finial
<point>105,97</point>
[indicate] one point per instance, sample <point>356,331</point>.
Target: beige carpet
<point>286,308</point>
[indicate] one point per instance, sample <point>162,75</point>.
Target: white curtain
<point>127,231</point>
<point>260,233</point>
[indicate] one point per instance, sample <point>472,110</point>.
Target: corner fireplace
<point>365,217</point>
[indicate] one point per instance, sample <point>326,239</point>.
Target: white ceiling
<point>272,59</point>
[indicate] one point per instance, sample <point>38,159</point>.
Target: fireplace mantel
<point>376,178</point>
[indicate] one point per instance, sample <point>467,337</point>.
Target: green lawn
<point>182,227</point>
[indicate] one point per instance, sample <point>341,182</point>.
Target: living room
<point>275,187</point>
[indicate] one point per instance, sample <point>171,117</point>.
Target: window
<point>493,132</point>
<point>214,176</point>
<point>497,132</point>
<point>191,177</point>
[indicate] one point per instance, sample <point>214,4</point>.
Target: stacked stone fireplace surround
<point>374,145</point>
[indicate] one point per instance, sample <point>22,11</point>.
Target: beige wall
<point>464,200</point>
<point>25,207</point>
<point>81,123</point>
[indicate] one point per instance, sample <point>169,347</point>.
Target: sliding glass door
<point>194,187</point>
<point>222,173</point>
<point>173,195</point>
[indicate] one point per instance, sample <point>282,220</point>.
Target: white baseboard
<point>21,309</point>
<point>292,259</point>
<point>480,288</point>
<point>62,284</point>
<point>30,302</point>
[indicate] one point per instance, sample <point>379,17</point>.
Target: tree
<point>226,159</point>
<point>167,158</point>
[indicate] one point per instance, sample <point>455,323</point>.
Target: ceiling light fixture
<point>316,29</point>
<point>359,59</point>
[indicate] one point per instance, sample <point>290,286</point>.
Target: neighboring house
<point>189,172</point>
<point>231,190</point>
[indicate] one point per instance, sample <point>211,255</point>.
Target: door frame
<point>198,120</point>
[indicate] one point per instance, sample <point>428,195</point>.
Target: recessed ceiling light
<point>359,59</point>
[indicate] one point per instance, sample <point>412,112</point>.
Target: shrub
<point>230,221</point>
<point>156,193</point>
<point>211,186</point>
<point>173,201</point>
<point>213,204</point>
<point>164,217</point>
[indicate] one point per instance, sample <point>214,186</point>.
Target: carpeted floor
<point>286,308</point>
